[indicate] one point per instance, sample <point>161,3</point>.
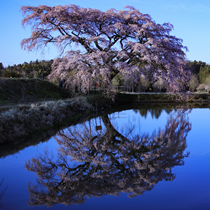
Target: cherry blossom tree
<point>107,43</point>
<point>107,162</point>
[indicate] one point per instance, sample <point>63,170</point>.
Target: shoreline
<point>49,113</point>
<point>15,144</point>
<point>19,120</point>
<point>26,125</point>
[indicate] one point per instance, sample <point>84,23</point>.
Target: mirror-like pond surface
<point>130,159</point>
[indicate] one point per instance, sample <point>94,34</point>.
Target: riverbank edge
<point>26,125</point>
<point>24,120</point>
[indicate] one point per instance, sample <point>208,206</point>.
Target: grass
<point>23,120</point>
<point>30,93</point>
<point>50,94</point>
<point>26,90</point>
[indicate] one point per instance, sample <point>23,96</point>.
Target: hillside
<point>29,90</point>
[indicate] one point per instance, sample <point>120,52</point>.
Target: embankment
<point>32,137</point>
<point>24,122</point>
<point>29,90</point>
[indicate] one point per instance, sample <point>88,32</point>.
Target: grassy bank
<point>21,121</point>
<point>19,91</point>
<point>55,106</point>
<point>29,106</point>
<point>27,125</point>
<point>29,90</point>
<point>29,138</point>
<point>18,122</point>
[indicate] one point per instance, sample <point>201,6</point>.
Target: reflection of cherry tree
<point>2,191</point>
<point>96,163</point>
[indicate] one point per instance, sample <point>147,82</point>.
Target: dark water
<point>131,159</point>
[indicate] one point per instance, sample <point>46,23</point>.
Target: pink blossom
<point>106,40</point>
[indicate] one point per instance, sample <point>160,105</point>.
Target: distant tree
<point>1,66</point>
<point>8,74</point>
<point>204,73</point>
<point>192,67</point>
<point>197,65</point>
<point>38,69</point>
<point>109,42</point>
<point>205,85</point>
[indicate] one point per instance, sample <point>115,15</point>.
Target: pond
<point>136,158</point>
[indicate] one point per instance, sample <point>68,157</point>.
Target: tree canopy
<point>34,69</point>
<point>107,43</point>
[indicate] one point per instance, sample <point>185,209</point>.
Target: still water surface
<point>131,159</point>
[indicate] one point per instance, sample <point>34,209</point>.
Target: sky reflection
<point>189,189</point>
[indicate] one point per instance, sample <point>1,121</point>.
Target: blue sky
<point>191,20</point>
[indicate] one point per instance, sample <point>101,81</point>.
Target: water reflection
<point>18,144</point>
<point>94,162</point>
<point>2,192</point>
<point>155,113</point>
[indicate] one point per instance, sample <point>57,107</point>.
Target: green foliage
<point>34,69</point>
<point>204,73</point>
<point>1,66</point>
<point>25,90</point>
<point>10,74</point>
<point>195,66</point>
<point>41,69</point>
<point>207,81</point>
<point>200,71</point>
<point>119,79</point>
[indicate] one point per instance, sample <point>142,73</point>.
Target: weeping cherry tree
<point>95,45</point>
